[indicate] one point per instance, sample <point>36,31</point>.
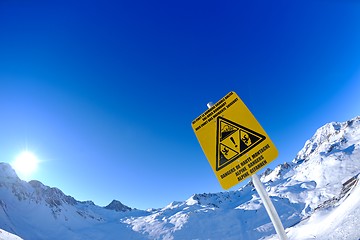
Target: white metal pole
<point>270,209</point>
<point>274,217</point>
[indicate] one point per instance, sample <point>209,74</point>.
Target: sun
<point>25,164</point>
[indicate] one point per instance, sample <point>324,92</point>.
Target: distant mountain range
<point>316,196</point>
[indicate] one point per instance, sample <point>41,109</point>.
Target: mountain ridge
<point>318,181</point>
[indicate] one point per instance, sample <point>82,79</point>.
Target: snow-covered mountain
<point>316,196</point>
<point>32,210</point>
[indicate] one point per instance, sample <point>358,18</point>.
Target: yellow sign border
<point>250,148</point>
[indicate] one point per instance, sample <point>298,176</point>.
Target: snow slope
<point>4,235</point>
<point>316,196</point>
<point>340,222</point>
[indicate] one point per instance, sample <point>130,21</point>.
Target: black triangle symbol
<point>226,134</point>
<point>226,130</point>
<point>229,152</point>
<point>245,145</point>
<point>252,139</point>
<point>222,159</point>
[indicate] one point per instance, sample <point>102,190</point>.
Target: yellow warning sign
<point>233,141</point>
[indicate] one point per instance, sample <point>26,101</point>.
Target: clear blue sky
<point>104,92</point>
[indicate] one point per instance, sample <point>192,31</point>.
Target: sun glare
<point>25,164</point>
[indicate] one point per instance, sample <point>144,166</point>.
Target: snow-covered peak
<point>328,137</point>
<point>329,157</point>
<point>277,173</point>
<point>51,195</point>
<point>7,173</point>
<point>118,206</point>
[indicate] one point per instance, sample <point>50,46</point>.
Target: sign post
<point>270,209</point>
<point>237,147</point>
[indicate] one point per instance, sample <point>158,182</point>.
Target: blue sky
<point>104,92</point>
